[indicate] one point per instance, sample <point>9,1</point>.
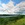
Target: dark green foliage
<point>8,19</point>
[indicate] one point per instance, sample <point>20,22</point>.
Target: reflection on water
<point>5,15</point>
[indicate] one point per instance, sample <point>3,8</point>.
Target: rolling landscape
<point>14,20</point>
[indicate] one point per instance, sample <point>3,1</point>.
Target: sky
<point>16,1</point>
<point>11,6</point>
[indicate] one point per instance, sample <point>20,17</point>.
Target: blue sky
<point>16,1</point>
<point>6,1</point>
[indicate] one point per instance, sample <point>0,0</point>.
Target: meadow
<point>17,20</point>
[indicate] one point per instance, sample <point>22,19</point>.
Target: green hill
<point>17,20</point>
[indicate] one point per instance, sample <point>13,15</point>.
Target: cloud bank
<point>9,8</point>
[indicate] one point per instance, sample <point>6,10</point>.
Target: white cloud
<point>21,6</point>
<point>10,8</point>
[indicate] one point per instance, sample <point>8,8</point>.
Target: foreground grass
<point>18,22</point>
<point>21,22</point>
<point>12,21</point>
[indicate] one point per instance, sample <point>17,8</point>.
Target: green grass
<point>18,22</point>
<point>13,21</point>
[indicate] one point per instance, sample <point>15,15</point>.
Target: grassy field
<point>18,20</point>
